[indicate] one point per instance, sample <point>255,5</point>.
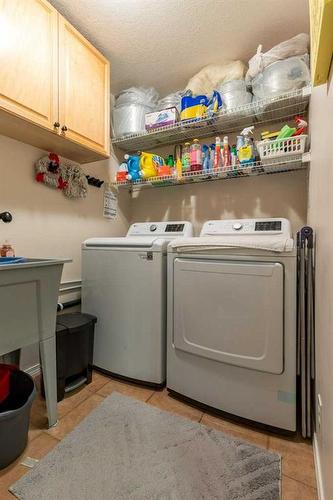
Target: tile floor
<point>298,481</point>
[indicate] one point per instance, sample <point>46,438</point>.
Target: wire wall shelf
<point>266,110</point>
<point>288,164</point>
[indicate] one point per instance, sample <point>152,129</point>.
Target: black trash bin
<point>14,417</point>
<point>75,344</point>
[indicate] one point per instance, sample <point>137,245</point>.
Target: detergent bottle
<point>186,157</point>
<point>133,166</point>
<point>245,152</point>
<point>166,168</point>
<point>195,156</point>
<point>226,156</point>
<point>149,163</point>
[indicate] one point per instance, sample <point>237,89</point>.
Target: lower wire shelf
<point>279,165</point>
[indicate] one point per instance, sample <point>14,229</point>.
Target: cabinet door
<point>84,76</point>
<point>29,60</point>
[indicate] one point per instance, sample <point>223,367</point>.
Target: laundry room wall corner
<point>320,218</point>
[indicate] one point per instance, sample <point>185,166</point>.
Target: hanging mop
<point>305,332</point>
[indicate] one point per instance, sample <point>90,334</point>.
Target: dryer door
<point>230,311</point>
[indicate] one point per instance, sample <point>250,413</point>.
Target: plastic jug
<point>133,166</point>
<point>149,164</point>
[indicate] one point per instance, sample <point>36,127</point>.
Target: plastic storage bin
<point>271,151</point>
<point>14,416</point>
<point>131,106</point>
<point>75,344</point>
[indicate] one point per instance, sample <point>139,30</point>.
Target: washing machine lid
<point>153,236</point>
<point>124,242</point>
<point>269,234</point>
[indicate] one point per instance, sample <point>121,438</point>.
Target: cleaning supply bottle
<point>234,157</point>
<point>205,157</point>
<point>217,154</point>
<point>186,159</point>
<point>226,156</point>
<point>178,160</point>
<point>196,156</point>
<point>7,250</point>
<point>211,156</point>
<point>245,152</point>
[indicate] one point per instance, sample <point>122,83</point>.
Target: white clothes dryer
<point>124,285</point>
<point>232,320</point>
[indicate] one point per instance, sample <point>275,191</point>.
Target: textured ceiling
<point>164,42</point>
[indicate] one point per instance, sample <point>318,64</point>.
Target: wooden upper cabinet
<point>29,60</point>
<point>84,90</point>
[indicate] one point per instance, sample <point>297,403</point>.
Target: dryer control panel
<point>246,227</point>
<point>163,229</point>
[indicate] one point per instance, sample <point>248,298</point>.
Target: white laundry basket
<point>271,151</point>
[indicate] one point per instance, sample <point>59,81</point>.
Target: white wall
<point>280,195</point>
<point>320,217</point>
<point>45,222</point>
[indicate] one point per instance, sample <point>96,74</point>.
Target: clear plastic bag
<point>282,76</point>
<point>296,46</point>
<point>137,95</point>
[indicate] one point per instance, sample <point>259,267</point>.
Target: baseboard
<point>34,370</point>
<point>319,477</point>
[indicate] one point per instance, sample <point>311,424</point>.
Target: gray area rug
<point>128,450</point>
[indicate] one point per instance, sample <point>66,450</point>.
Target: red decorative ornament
<point>62,174</point>
<point>40,177</point>
<point>54,158</point>
<point>62,184</point>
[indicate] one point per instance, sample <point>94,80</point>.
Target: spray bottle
<point>234,157</point>
<point>226,156</point>
<point>211,156</point>
<point>186,158</point>
<point>217,154</point>
<point>245,152</point>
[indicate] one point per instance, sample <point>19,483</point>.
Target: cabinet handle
<point>64,128</point>
<point>56,124</point>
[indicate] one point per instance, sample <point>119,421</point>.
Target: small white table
<point>28,309</point>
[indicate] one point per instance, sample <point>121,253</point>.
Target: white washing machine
<point>232,320</point>
<point>124,285</point>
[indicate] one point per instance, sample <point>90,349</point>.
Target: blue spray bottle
<point>205,157</point>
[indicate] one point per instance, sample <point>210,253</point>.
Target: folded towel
<point>273,244</point>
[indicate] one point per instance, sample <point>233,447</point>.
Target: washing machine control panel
<point>167,229</point>
<point>246,227</point>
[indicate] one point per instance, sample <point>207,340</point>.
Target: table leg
<point>49,366</point>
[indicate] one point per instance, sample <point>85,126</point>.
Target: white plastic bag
<point>296,46</point>
<point>211,76</point>
<point>137,95</point>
